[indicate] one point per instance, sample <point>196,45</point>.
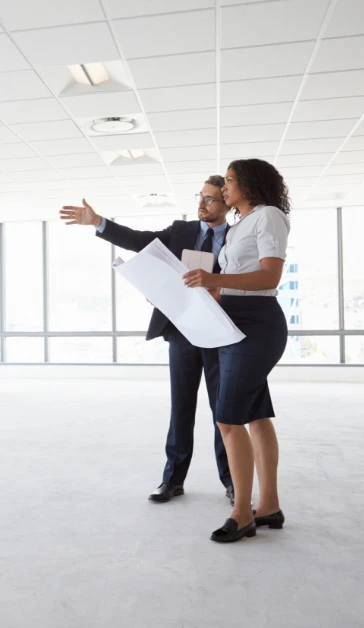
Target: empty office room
<point>181,313</point>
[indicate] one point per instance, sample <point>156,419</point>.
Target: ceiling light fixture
<point>89,73</point>
<point>132,154</point>
<point>113,124</point>
<point>154,200</point>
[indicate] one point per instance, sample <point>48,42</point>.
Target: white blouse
<point>261,233</point>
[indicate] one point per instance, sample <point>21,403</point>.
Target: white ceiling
<point>211,80</point>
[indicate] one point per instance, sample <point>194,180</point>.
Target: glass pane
<point>353,251</point>
<point>312,350</point>
<point>24,350</point>
<point>136,350</point>
<point>354,349</point>
<point>79,279</point>
<point>23,276</point>
<point>308,292</point>
<point>80,350</point>
<point>133,312</point>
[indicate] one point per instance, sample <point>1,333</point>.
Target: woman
<point>252,263</point>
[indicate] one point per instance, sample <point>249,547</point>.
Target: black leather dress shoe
<point>230,494</point>
<point>274,521</point>
<point>229,532</point>
<point>165,492</point>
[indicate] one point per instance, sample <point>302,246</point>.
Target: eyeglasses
<point>207,200</point>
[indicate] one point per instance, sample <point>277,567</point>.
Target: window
<point>312,350</point>
<point>312,253</point>
<point>79,279</point>
<point>80,350</point>
<point>23,276</point>
<point>24,350</point>
<point>353,229</point>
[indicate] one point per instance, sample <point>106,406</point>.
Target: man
<point>186,362</point>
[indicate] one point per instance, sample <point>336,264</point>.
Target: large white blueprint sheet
<point>157,274</point>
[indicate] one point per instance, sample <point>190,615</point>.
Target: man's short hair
<point>217,180</point>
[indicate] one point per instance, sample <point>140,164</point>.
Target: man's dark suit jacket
<point>178,236</point>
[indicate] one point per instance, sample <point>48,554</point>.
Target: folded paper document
<point>157,274</point>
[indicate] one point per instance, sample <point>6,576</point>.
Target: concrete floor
<point>81,547</point>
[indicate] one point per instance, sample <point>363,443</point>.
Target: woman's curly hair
<point>261,183</point>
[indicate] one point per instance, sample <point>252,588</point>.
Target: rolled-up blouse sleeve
<point>272,233</point>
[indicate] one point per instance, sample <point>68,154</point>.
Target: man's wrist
<point>97,221</point>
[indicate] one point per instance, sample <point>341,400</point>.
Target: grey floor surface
<point>81,547</point>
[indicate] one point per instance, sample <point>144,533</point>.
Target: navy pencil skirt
<point>243,394</point>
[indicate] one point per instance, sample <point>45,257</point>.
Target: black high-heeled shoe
<point>274,521</point>
<point>229,532</point>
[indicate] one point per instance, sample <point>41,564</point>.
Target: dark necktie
<point>207,243</point>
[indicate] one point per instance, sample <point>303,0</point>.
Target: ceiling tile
<point>156,187</point>
<point>11,59</point>
<point>197,137</point>
<point>309,159</point>
<point>7,136</point>
<point>176,98</point>
<point>293,147</point>
<point>179,120</point>
<point>5,178</point>
<point>149,180</point>
<point>71,161</point>
<point>137,8</point>
<point>182,167</point>
<point>86,183</point>
<point>186,191</point>
<point>102,105</point>
<point>248,150</point>
<point>190,177</point>
<point>333,85</point>
<point>334,109</point>
<point>22,86</point>
<point>60,129</point>
<point>137,170</point>
<point>355,143</point>
<point>265,61</point>
<point>325,128</point>
<point>272,22</point>
<point>231,2</point>
<point>38,175</point>
<point>251,133</point>
<point>335,193</point>
<point>17,165</point>
<point>29,111</point>
<point>16,151</point>
<point>66,45</point>
<point>174,33</point>
<point>300,181</point>
<point>86,172</point>
<point>349,157</point>
<point>62,147</point>
<point>19,14</point>
<point>342,169</point>
<point>347,19</point>
<point>190,153</point>
<point>123,142</point>
<point>255,114</point>
<point>301,171</point>
<point>338,179</point>
<point>340,54</point>
<point>259,91</point>
<point>185,69</point>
